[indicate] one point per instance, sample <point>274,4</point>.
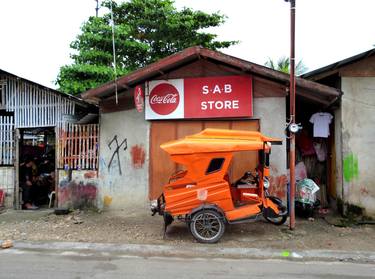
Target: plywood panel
<point>217,124</point>
<point>244,161</point>
<point>161,167</point>
<point>185,128</point>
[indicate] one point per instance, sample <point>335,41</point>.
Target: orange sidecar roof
<point>218,140</point>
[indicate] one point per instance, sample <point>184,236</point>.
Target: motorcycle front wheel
<point>277,220</point>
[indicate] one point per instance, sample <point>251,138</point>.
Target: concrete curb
<point>146,250</point>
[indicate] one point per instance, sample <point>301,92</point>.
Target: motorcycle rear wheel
<point>207,226</point>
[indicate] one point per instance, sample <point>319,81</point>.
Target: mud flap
<point>168,219</point>
<point>269,212</point>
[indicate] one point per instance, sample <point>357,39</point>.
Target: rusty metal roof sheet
<point>339,64</point>
<point>188,55</point>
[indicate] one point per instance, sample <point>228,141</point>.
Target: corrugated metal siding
<point>6,140</point>
<point>34,106</point>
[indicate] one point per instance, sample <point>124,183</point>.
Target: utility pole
<point>292,111</point>
<point>97,7</point>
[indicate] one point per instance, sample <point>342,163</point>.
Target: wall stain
<point>77,193</point>
<point>138,156</point>
<point>351,170</point>
<point>364,191</point>
<point>278,186</point>
<point>90,174</point>
<point>107,200</point>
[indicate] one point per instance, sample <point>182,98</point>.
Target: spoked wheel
<point>207,226</point>
<point>277,220</point>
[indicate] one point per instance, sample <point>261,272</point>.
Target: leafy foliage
<point>283,65</point>
<point>145,31</point>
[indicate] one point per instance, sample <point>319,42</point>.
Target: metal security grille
<point>78,146</point>
<point>6,140</point>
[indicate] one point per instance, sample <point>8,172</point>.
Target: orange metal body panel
<point>195,187</point>
<point>243,211</point>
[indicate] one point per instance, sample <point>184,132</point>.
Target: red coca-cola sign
<point>204,97</point>
<point>164,98</point>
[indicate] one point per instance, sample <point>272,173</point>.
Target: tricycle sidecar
<point>201,194</point>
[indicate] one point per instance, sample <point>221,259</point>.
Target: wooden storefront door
<point>161,167</point>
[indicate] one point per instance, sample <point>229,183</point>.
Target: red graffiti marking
<point>64,196</point>
<point>78,195</point>
<point>90,174</point>
<point>364,191</point>
<point>278,186</point>
<point>138,156</point>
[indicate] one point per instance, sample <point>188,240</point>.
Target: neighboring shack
<point>52,128</point>
<point>355,129</point>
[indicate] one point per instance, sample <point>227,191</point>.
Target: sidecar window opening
<point>215,165</point>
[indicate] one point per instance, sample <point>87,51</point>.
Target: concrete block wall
<point>123,160</point>
<point>7,185</point>
<point>358,133</point>
<point>272,115</point>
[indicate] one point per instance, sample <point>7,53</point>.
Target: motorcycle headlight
<point>266,183</point>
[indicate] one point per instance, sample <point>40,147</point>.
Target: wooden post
<point>17,201</point>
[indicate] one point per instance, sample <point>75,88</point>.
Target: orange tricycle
<point>201,194</point>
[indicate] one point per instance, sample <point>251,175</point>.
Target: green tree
<point>145,31</point>
<point>283,65</point>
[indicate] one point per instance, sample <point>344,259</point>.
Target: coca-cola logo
<point>164,98</point>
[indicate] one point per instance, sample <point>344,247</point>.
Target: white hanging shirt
<point>321,121</point>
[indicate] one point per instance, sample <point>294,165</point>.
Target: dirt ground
<point>323,232</point>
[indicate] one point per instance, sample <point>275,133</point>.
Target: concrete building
<point>204,88</point>
<point>354,129</point>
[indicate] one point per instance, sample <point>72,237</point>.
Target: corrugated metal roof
<point>79,101</point>
<point>188,55</point>
<point>339,64</point>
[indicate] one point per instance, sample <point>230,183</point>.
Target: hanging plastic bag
<point>306,191</point>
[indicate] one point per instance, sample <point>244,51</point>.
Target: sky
<point>35,34</point>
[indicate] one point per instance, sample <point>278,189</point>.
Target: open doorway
<point>36,167</point>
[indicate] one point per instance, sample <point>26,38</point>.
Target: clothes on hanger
<point>320,150</point>
<point>321,121</point>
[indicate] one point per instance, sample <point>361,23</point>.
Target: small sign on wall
<point>138,98</point>
<point>208,97</point>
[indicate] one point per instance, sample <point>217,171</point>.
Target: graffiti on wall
<point>351,170</point>
<point>77,192</point>
<point>116,151</point>
<point>138,156</point>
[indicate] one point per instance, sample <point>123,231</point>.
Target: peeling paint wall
<point>272,115</point>
<point>77,189</point>
<point>358,134</point>
<point>123,160</point>
<point>7,186</point>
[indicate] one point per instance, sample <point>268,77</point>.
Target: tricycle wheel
<point>277,220</point>
<point>207,226</point>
